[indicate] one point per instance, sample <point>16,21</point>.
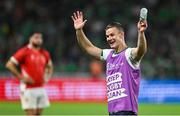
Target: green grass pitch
<point>75,108</point>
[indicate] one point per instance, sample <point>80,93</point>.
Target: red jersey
<point>32,63</point>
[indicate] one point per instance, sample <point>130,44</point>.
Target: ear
<point>122,33</point>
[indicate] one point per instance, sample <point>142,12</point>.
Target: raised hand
<point>142,26</point>
<point>78,20</point>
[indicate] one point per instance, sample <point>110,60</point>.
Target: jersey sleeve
<point>19,56</point>
<point>104,54</point>
<point>134,64</point>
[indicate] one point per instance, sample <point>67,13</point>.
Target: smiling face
<point>115,37</point>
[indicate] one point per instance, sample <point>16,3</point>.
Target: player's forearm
<point>48,74</point>
<point>141,45</point>
<point>87,45</point>
<point>12,68</point>
<point>83,40</point>
<point>50,67</point>
<point>50,70</point>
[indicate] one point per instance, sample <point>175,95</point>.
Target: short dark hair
<point>115,24</point>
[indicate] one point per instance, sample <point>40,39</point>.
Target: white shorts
<point>34,98</point>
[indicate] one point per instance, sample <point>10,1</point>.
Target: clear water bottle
<point>143,14</point>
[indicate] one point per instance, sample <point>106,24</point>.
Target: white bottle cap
<point>143,14</point>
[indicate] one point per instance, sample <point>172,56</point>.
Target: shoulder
<point>128,52</point>
<point>23,49</point>
<point>105,53</point>
<point>45,53</point>
<point>129,57</point>
<point>19,55</point>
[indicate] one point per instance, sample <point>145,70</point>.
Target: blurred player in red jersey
<point>36,69</point>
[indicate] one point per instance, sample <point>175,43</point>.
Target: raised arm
<point>141,48</point>
<point>81,37</point>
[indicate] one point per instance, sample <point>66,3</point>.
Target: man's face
<point>114,37</point>
<point>36,40</point>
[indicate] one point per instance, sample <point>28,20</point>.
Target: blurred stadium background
<point>78,85</point>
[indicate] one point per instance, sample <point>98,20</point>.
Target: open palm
<point>78,20</point>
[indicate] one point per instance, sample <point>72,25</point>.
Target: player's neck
<point>34,47</point>
<point>121,48</point>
